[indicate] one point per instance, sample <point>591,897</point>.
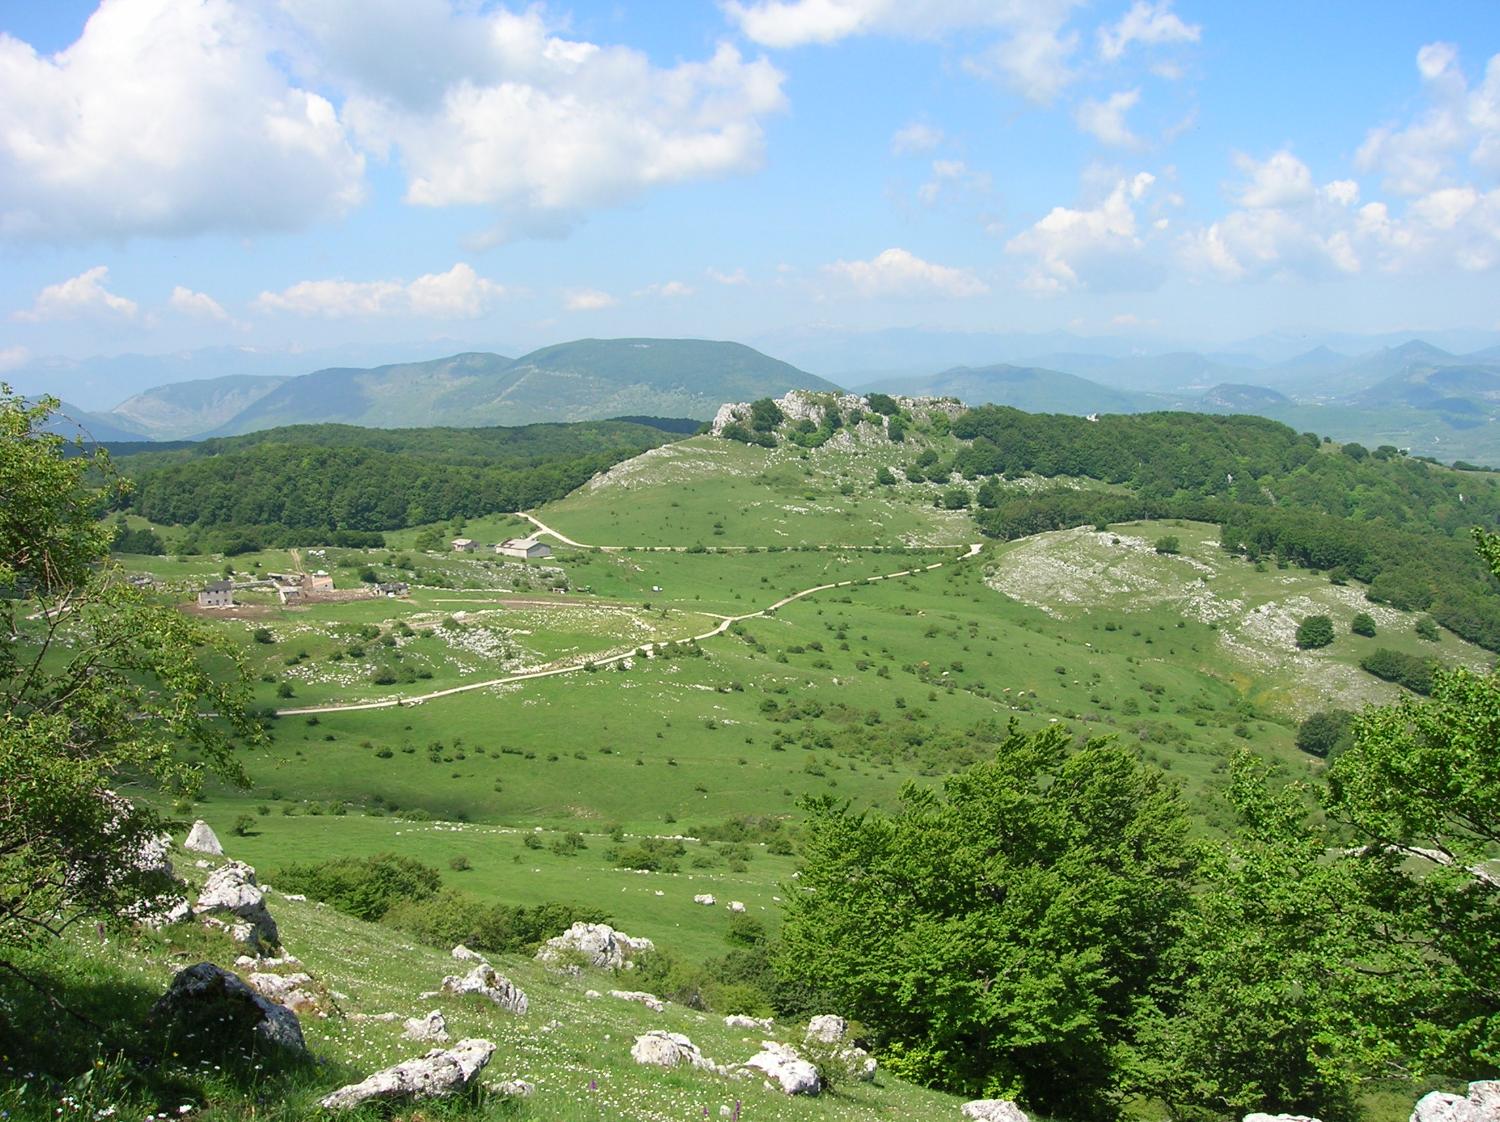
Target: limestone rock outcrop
<point>486,981</point>
<point>232,900</point>
<point>441,1072</point>
<point>668,1049</point>
<point>432,1028</point>
<point>216,1009</point>
<point>202,839</point>
<point>649,1000</point>
<point>597,944</point>
<point>993,1110</point>
<point>784,1069</point>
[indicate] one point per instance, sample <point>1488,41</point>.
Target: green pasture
<point>707,491</point>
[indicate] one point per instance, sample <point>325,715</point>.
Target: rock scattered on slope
<point>705,898</point>
<point>1481,1104</point>
<point>286,989</point>
<point>649,1000</point>
<point>516,1088</point>
<point>202,839</point>
<point>599,944</point>
<point>668,1049</point>
<point>830,1033</point>
<point>736,906</point>
<point>784,1069</point>
<point>739,1020</point>
<point>1279,1118</point>
<point>216,1008</point>
<point>463,954</point>
<point>431,1028</point>
<point>993,1110</point>
<point>441,1072</point>
<point>486,981</point>
<point>1485,1095</point>
<point>231,900</point>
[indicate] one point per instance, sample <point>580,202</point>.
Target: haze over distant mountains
<point>1412,394</point>
<point>588,379</point>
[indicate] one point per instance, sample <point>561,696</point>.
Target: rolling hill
<point>184,409</point>
<point>71,421</point>
<point>1034,389</point>
<point>589,379</point>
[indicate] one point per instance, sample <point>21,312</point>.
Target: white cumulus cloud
<point>1029,50</point>
<point>672,289</point>
<point>587,300</point>
<point>915,138</point>
<point>1459,124</point>
<point>1105,120</point>
<point>83,295</point>
<point>1146,22</point>
<point>165,119</point>
<point>897,272</point>
<point>1098,247</point>
<point>503,113</point>
<point>201,304</point>
<point>460,293</point>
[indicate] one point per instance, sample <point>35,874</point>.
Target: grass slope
<point>575,1049</point>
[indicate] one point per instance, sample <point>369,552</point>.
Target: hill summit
<point>588,379</point>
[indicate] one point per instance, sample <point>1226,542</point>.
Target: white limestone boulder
<point>784,1070</point>
<point>487,982</point>
<point>597,944</point>
<point>440,1073</point>
<point>659,1048</point>
<point>202,839</point>
<point>232,900</point>
<point>993,1110</point>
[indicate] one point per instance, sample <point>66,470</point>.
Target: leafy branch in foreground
<point>100,689</point>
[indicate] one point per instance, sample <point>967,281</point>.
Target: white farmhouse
<point>528,549</point>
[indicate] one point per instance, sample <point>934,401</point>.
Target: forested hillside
<point>1400,524</point>
<point>297,483</point>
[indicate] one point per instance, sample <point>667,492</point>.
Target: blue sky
<point>179,173</point>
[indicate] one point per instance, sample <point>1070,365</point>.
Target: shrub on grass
<point>1314,632</point>
<point>364,887</point>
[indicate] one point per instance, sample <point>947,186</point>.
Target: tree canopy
<point>999,937</point>
<point>99,689</point>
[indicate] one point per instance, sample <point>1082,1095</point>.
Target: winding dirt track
<point>573,668</point>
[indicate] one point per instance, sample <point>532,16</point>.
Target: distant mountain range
<point>589,379</point>
<point>1412,394</point>
<point>1029,388</point>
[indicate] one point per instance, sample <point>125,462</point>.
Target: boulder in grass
<point>1279,1118</point>
<point>432,1028</point>
<point>705,898</point>
<point>739,1020</point>
<point>218,1012</point>
<point>486,981</point>
<point>828,1036</point>
<point>599,945</point>
<point>1485,1098</point>
<point>1441,1107</point>
<point>202,839</point>
<point>438,1074</point>
<point>289,990</point>
<point>993,1110</point>
<point>659,1048</point>
<point>232,900</point>
<point>784,1069</point>
<point>649,1000</point>
<point>463,954</point>
<point>516,1089</point>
